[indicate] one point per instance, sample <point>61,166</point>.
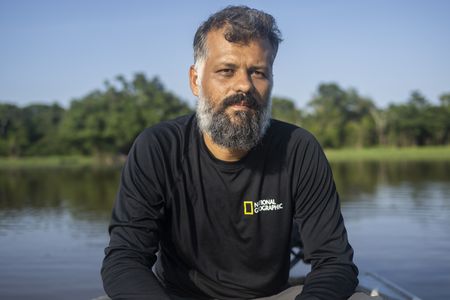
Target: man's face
<point>233,85</point>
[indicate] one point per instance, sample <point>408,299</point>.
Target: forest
<point>106,120</point>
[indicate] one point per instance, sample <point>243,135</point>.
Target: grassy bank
<point>378,154</point>
<point>390,154</point>
<point>60,162</point>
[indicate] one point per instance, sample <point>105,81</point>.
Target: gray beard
<point>244,133</point>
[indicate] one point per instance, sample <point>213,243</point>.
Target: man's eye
<point>259,74</point>
<point>226,72</point>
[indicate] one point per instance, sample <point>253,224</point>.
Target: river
<point>53,227</point>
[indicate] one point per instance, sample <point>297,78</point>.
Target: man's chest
<point>207,201</point>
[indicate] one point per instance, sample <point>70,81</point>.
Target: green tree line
<point>343,118</point>
<point>107,120</point>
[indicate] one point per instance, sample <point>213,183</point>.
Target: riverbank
<point>348,154</point>
<point>72,161</point>
<point>431,153</point>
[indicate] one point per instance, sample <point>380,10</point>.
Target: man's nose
<point>244,83</point>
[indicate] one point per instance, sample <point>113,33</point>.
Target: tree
<point>341,118</point>
<point>41,122</point>
<point>284,109</point>
<point>444,117</point>
<point>108,121</point>
<point>411,124</point>
<point>13,134</point>
<point>380,120</point>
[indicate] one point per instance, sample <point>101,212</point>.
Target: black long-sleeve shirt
<point>223,229</point>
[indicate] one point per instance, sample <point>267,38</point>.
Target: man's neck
<point>221,153</point>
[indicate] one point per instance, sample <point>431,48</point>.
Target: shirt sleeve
<point>135,226</point>
<point>317,213</point>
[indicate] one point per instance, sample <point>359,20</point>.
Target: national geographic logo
<point>251,208</point>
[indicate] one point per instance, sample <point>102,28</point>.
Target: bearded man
<point>209,200</point>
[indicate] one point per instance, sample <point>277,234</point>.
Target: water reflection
<point>419,189</point>
<point>397,216</point>
<point>85,193</point>
<point>354,179</point>
<point>53,229</point>
<point>53,226</point>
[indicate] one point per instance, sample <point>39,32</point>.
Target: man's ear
<point>194,80</point>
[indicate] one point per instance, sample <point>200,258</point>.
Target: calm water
<point>53,227</point>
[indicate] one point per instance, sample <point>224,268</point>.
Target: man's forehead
<point>222,34</point>
<point>217,41</point>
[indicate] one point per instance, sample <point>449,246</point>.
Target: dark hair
<point>242,24</point>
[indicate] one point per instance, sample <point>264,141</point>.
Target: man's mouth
<point>242,104</point>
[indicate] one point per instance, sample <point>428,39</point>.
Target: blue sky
<point>61,50</point>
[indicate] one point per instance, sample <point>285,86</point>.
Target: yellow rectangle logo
<point>248,207</point>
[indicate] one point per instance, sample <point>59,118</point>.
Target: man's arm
<point>135,228</point>
<point>333,274</point>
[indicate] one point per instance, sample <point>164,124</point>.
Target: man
<point>209,200</point>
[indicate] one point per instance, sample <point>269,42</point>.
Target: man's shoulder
<point>289,132</point>
<point>292,139</point>
<point>295,144</point>
<point>167,135</point>
<point>174,128</point>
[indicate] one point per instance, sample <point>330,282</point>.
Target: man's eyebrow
<point>233,66</point>
<point>227,65</point>
<point>260,67</point>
